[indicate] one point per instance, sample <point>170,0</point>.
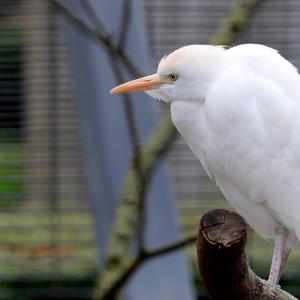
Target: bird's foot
<point>272,289</point>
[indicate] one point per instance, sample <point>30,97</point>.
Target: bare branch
<point>90,10</point>
<point>125,22</point>
<point>110,292</point>
<point>129,112</point>
<point>86,4</point>
<point>102,37</point>
<point>166,249</point>
<point>236,24</point>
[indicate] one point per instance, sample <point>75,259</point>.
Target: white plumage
<point>239,111</point>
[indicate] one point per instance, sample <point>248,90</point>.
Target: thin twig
<point>133,132</point>
<point>126,14</point>
<point>132,266</point>
<point>130,118</point>
<point>105,39</point>
<point>90,10</point>
<point>151,253</point>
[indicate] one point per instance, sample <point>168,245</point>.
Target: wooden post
<point>223,263</point>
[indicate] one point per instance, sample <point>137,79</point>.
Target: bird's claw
<point>272,288</point>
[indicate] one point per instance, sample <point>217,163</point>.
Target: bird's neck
<point>188,118</point>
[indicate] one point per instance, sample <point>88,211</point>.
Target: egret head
<point>185,74</point>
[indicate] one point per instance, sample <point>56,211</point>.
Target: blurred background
<point>64,146</point>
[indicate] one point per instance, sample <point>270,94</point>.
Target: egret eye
<point>173,77</point>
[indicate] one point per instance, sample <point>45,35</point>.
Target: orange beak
<point>142,84</point>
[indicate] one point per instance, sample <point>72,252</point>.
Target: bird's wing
<point>268,63</point>
<point>253,120</point>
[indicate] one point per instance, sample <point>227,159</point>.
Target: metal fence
<point>47,239</point>
<point>46,226</point>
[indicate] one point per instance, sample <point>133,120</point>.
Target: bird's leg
<point>285,255</point>
<point>280,255</point>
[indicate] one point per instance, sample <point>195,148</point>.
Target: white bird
<point>239,111</point>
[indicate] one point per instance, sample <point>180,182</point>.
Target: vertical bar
<point>53,146</point>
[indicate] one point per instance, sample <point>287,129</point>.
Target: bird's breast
<point>217,152</point>
<point>189,119</point>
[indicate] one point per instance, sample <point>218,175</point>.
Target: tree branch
<point>124,23</point>
<point>141,187</point>
<point>129,112</point>
<point>129,267</point>
<point>100,36</point>
<point>236,24</point>
<point>166,249</point>
<point>223,263</point>
<point>90,10</point>
<point>125,221</point>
